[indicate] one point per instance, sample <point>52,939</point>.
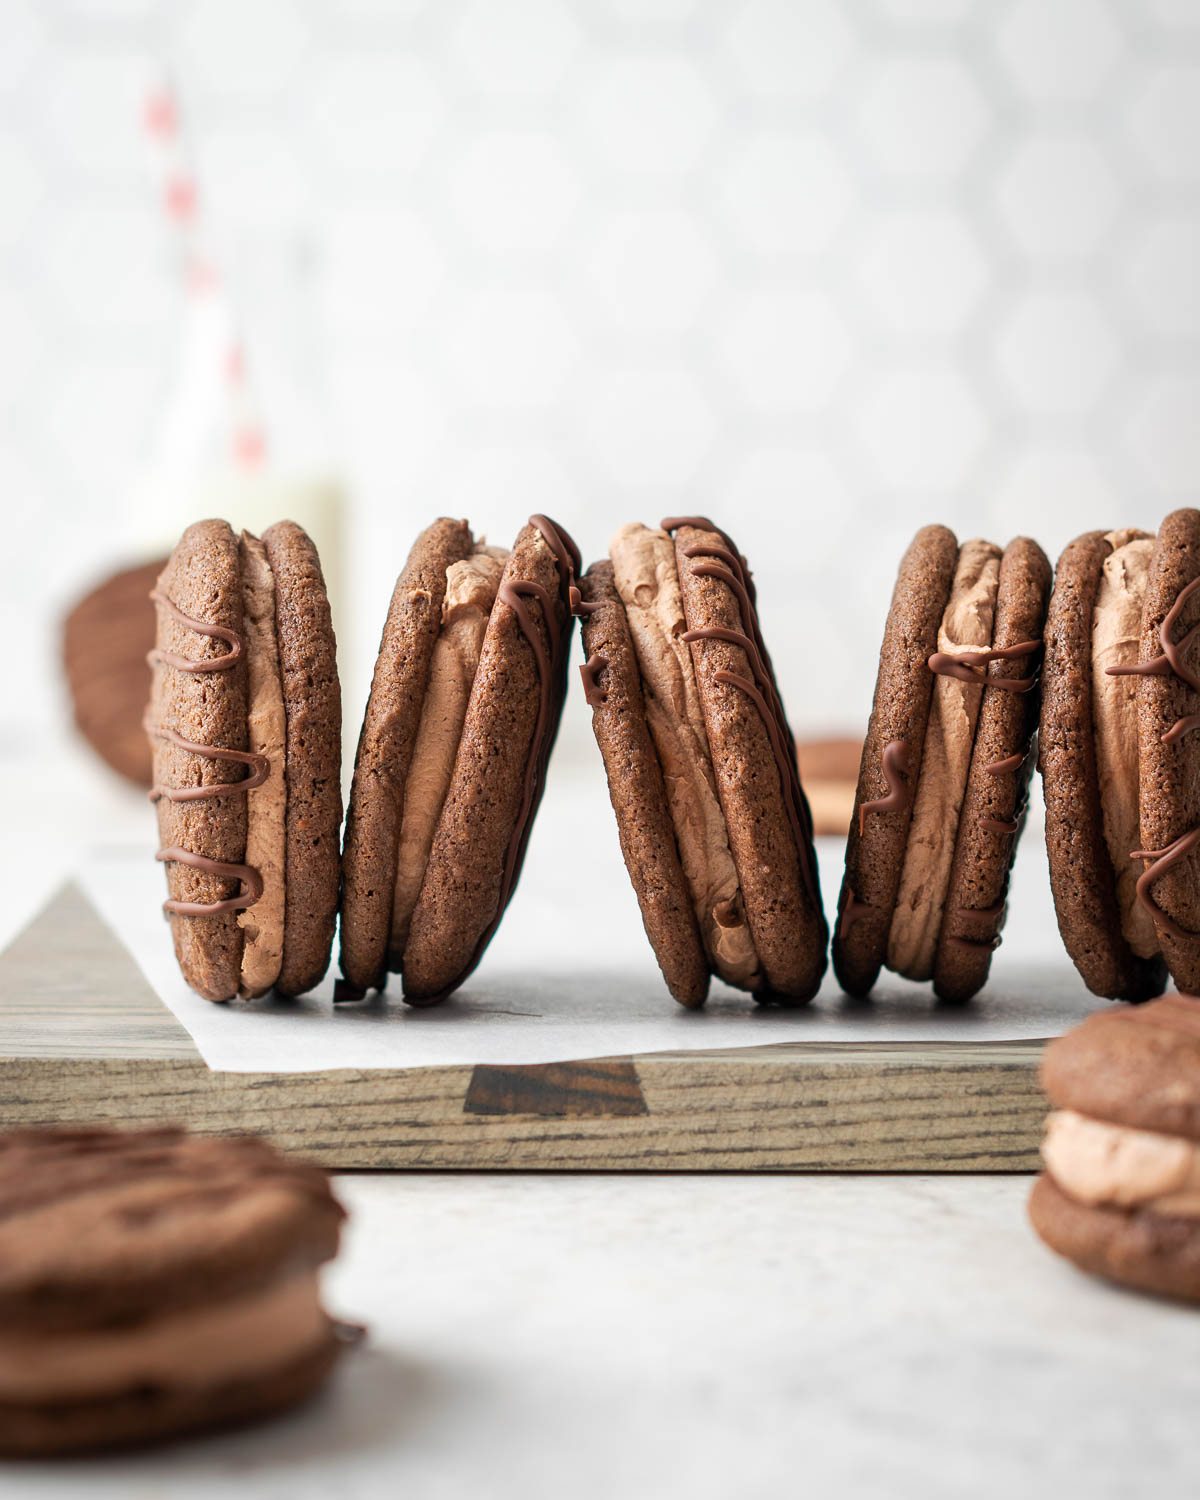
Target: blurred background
<point>825,270</point>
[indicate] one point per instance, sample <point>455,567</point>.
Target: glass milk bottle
<point>244,433</point>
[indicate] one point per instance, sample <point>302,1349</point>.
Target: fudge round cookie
<point>106,637</point>
<point>244,724</point>
<point>945,766</point>
<point>153,1283</point>
<point>1120,762</point>
<point>1120,1194</point>
<point>701,764</point>
<point>463,712</point>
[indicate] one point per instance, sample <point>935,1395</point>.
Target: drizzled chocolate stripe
<point>1161,861</point>
<point>852,910</point>
<point>971,666</point>
<point>246,874</point>
<point>1009,763</point>
<point>999,825</point>
<point>1169,660</point>
<point>221,663</point>
<point>726,564</point>
<point>895,773</point>
<point>580,607</point>
<point>592,691</point>
<point>261,768</point>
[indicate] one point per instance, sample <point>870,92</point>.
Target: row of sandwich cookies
<point>981,645</point>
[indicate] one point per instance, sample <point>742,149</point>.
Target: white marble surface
<point>707,1336</point>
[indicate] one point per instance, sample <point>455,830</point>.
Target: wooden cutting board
<point>84,1038</point>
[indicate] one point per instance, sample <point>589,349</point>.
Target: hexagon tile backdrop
<point>826,270</point>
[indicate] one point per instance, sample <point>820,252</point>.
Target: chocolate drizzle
<point>551,669</point>
<point>723,562</point>
<point>1161,861</point>
<point>971,666</point>
<point>852,909</point>
<point>260,763</point>
<point>1009,763</point>
<point>1168,662</point>
<point>1170,658</point>
<point>220,663</point>
<point>995,914</point>
<point>580,607</point>
<point>998,825</point>
<point>592,690</point>
<point>895,773</point>
<point>246,874</point>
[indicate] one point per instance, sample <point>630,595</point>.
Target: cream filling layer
<point>1116,640</point>
<point>471,586</point>
<point>1115,1165</point>
<point>945,762</point>
<point>202,1347</point>
<point>647,580</point>
<point>266,805</point>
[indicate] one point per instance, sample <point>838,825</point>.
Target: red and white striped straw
<point>179,197</point>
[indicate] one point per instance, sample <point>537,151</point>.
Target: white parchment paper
<point>570,975</point>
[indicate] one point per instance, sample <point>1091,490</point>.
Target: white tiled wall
<point>828,270</point>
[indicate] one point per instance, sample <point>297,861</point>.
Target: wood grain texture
<point>93,1043</point>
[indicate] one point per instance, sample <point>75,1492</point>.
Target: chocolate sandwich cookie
<point>701,764</point>
<point>245,726</point>
<point>463,712</point>
<point>945,766</point>
<point>106,637</point>
<point>153,1283</point>
<point>1120,1196</point>
<point>1120,761</point>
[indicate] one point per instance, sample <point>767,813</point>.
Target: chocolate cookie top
<point>613,687</point>
<point>997,782</point>
<point>385,749</point>
<point>891,759</point>
<point>101,1228</point>
<point>499,774</point>
<point>754,759</point>
<point>198,706</point>
<point>1132,1067</point>
<point>1168,700</point>
<point>1082,874</point>
<point>313,705</point>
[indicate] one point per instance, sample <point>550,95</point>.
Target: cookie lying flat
<point>245,726</point>
<point>153,1283</point>
<point>945,766</point>
<point>1120,762</point>
<point>701,764</point>
<point>1120,1195</point>
<point>463,713</point>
